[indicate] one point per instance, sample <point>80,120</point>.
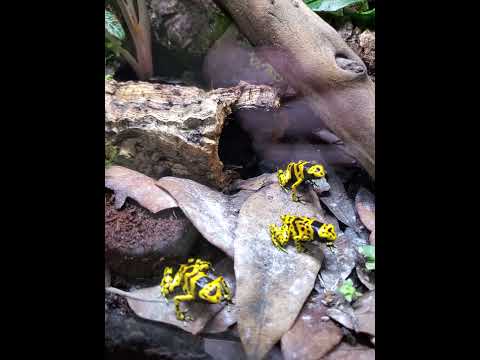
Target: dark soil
<point>137,241</point>
<point>133,226</point>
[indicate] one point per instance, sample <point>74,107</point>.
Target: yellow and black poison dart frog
<point>299,172</point>
<point>301,229</point>
<point>195,284</point>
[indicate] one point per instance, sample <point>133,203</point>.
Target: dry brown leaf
<point>164,311</point>
<point>367,278</point>
<point>338,265</point>
<point>222,320</point>
<point>129,183</point>
<point>255,183</point>
<point>345,351</point>
<point>312,336</point>
<point>213,214</point>
<point>220,349</point>
<point>337,200</point>
<point>364,309</point>
<point>271,285</point>
<point>365,204</point>
<point>344,315</point>
<point>371,240</point>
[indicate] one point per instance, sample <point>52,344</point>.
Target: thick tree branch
<point>315,60</point>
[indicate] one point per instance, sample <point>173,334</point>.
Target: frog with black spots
<point>297,173</point>
<point>196,280</point>
<point>301,229</point>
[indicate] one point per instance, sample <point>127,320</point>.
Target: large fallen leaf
<point>222,320</point>
<point>108,278</point>
<point>213,214</point>
<point>221,349</point>
<point>371,240</point>
<point>344,315</point>
<point>365,204</point>
<point>164,311</point>
<point>129,183</point>
<point>367,278</point>
<point>338,202</point>
<point>271,285</point>
<point>313,334</point>
<point>338,265</point>
<point>345,351</point>
<point>364,309</point>
<point>255,183</point>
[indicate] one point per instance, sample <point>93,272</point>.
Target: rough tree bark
<point>159,126</point>
<point>316,61</point>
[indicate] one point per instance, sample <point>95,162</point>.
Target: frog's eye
<point>213,291</point>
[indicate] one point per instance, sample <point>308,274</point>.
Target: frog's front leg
<point>298,243</point>
<point>294,189</point>
<point>182,298</point>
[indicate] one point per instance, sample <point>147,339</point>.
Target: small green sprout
<point>368,252</point>
<point>348,290</point>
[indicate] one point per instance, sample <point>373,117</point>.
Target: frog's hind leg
<point>166,281</point>
<point>279,236</point>
<point>181,315</point>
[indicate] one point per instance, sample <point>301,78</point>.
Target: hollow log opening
<point>236,151</point>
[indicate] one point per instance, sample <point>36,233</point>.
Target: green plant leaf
<point>370,266</point>
<point>368,251</point>
<point>331,5</point>
<point>364,19</point>
<point>348,290</point>
<point>113,26</point>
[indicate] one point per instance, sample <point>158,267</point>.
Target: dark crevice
<point>236,151</point>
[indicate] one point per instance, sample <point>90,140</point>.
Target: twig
<point>129,295</point>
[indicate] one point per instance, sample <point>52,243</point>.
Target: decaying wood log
<point>317,62</point>
<point>159,126</point>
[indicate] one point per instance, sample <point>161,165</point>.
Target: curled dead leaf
<point>222,320</point>
<point>107,277</point>
<point>222,349</point>
<point>344,315</point>
<point>311,337</point>
<point>365,205</point>
<point>345,351</point>
<point>338,202</point>
<point>371,240</point>
<point>364,309</point>
<point>141,188</point>
<point>367,278</point>
<point>338,265</point>
<point>269,282</point>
